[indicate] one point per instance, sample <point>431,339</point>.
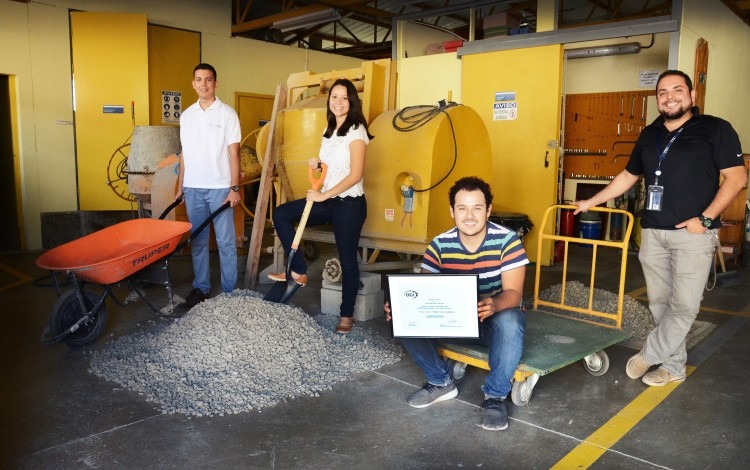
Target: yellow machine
<point>416,155</point>
<point>408,173</point>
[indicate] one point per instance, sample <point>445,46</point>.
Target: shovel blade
<point>282,291</point>
<point>277,291</point>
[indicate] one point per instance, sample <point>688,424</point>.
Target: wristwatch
<point>235,188</point>
<point>706,221</point>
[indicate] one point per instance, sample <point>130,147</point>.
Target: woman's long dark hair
<point>355,117</point>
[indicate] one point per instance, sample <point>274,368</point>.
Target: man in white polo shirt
<point>209,177</point>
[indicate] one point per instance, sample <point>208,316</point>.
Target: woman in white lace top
<point>341,202</point>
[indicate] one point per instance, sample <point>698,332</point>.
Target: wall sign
<point>171,107</point>
<point>647,78</point>
<point>505,107</point>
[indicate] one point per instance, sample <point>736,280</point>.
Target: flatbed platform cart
<point>553,341</point>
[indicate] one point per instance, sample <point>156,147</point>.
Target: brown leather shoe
<point>345,325</point>
<point>300,279</point>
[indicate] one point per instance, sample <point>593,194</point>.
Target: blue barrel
<point>590,229</point>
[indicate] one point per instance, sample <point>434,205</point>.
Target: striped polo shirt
<point>500,251</point>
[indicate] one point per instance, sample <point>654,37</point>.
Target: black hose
<point>416,120</point>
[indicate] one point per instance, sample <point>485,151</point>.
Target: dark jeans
<point>347,215</point>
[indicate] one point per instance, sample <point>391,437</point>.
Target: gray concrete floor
<point>55,414</point>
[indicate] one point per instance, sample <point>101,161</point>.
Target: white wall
<point>428,79</point>
<point>617,72</point>
<point>728,38</point>
<point>415,38</point>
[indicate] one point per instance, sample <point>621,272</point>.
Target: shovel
<point>282,291</point>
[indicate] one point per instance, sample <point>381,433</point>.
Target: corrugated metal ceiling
<point>362,28</point>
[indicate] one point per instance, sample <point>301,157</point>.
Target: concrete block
<point>369,283</point>
<point>366,306</point>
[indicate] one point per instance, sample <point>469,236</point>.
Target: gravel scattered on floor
<point>235,353</point>
<point>636,317</point>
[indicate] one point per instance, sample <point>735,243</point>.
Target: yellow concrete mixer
<point>416,155</point>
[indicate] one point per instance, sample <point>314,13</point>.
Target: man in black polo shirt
<point>680,156</point>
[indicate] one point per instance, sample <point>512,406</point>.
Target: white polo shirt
<point>206,136</point>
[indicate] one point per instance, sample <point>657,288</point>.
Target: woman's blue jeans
<point>346,215</point>
<point>502,333</point>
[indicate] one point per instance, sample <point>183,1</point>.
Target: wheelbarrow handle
<point>169,208</point>
<point>202,226</point>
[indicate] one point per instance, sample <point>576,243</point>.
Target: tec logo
<point>411,294</point>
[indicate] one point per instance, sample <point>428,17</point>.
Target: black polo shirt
<point>690,169</point>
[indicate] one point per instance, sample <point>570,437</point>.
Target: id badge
<point>654,197</point>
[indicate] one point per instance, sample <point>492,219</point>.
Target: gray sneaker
<point>429,394</point>
<point>494,415</point>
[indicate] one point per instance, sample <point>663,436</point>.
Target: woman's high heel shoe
<point>345,325</point>
<point>300,279</point>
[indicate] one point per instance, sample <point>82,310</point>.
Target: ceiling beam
<point>564,36</point>
<point>359,6</point>
<point>336,39</point>
<point>268,21</point>
<point>738,10</point>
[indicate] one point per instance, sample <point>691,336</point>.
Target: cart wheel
<point>521,391</point>
<point>310,250</point>
<point>457,370</point>
<point>67,311</point>
<point>596,364</point>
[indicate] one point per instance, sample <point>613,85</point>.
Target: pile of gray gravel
<point>237,352</point>
<point>636,317</point>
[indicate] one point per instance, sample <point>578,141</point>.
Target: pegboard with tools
<point>601,130</point>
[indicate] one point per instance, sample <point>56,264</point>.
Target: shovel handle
<point>317,183</point>
<point>301,226</point>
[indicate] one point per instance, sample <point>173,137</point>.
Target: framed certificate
<point>434,305</point>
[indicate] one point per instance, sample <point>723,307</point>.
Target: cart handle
<point>172,206</point>
<point>202,226</point>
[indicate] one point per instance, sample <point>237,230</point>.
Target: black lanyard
<point>663,153</point>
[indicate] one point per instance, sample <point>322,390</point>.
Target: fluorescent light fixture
<point>599,51</point>
<point>307,21</point>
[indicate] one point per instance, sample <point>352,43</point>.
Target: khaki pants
<point>676,265</point>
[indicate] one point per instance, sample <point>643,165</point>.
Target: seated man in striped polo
<point>476,245</point>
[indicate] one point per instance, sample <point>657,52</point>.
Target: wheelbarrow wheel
<point>67,310</point>
<point>457,370</point>
<point>597,363</point>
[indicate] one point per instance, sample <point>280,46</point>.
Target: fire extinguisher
<point>567,223</point>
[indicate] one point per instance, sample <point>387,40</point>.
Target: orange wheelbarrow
<point>124,252</point>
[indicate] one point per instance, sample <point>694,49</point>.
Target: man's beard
<point>675,113</point>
